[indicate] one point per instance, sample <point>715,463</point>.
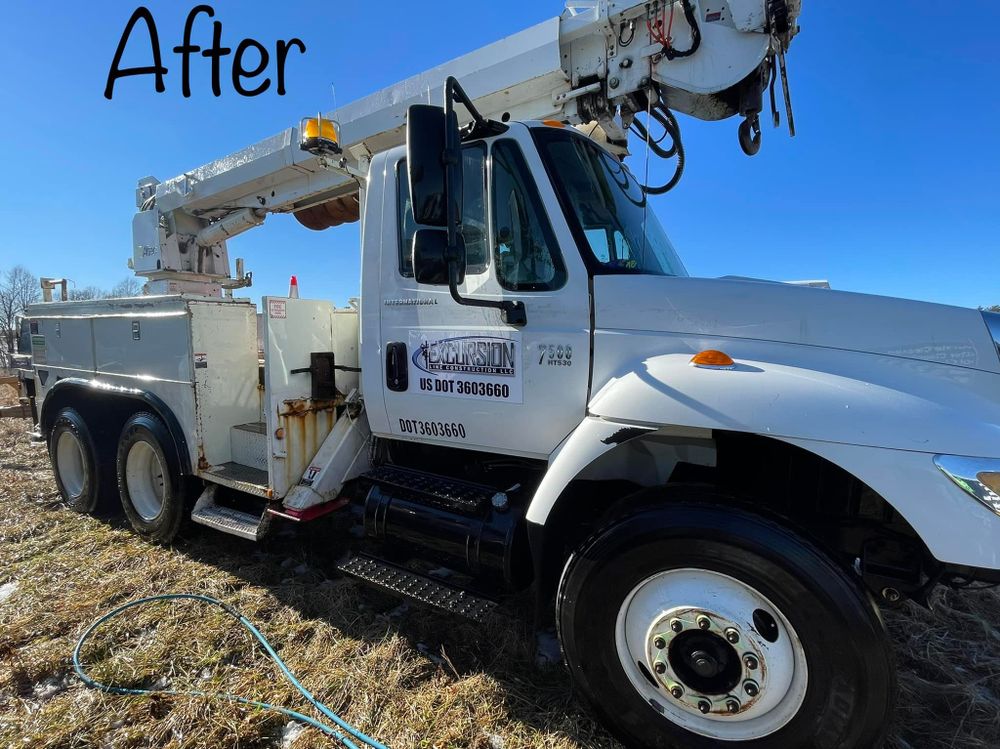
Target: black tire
<point>153,478</point>
<point>849,696</point>
<point>73,454</point>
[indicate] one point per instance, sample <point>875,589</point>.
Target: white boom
<point>599,62</point>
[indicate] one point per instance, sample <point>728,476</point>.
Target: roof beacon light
<point>712,359</point>
<point>319,136</point>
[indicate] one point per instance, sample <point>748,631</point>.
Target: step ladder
<point>208,512</point>
<point>417,587</point>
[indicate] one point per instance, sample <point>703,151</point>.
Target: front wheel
<point>695,625</point>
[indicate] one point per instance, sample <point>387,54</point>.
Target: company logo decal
<point>481,355</point>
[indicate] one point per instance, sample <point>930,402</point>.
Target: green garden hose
<point>341,730</point>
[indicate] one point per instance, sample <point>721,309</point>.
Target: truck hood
<point>783,313</point>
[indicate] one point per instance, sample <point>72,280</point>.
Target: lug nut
<point>660,667</point>
<point>891,595</point>
<point>659,643</point>
<point>676,691</point>
<point>705,706</point>
<point>732,636</point>
<point>676,625</point>
<point>751,688</point>
<point>733,706</point>
<point>704,622</point>
<point>751,662</point>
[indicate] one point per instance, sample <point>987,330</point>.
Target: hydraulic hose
<point>341,730</point>
<point>665,117</point>
<point>672,54</point>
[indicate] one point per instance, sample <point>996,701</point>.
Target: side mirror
<point>431,257</point>
<point>434,164</point>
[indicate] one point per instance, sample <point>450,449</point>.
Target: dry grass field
<point>407,676</point>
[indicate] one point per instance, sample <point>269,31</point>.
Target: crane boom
<point>600,63</point>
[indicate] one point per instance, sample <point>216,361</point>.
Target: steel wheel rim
<point>69,459</point>
<point>144,478</point>
<point>667,607</point>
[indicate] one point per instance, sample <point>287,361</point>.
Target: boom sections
<point>598,62</point>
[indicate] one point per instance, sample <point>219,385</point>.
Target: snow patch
<point>49,688</point>
<point>7,590</point>
<point>290,732</point>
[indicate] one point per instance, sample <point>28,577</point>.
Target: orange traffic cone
<point>293,288</point>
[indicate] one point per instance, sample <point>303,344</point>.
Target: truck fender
<point>882,419</point>
<point>69,391</point>
<point>811,393</point>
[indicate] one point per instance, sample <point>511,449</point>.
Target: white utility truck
<point>708,484</point>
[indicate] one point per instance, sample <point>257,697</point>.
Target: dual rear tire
<point>145,473</point>
<point>149,479</point>
<point>85,484</point>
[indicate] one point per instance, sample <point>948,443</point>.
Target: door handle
<point>396,370</point>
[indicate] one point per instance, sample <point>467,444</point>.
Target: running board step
<point>446,493</point>
<point>227,519</point>
<point>418,587</point>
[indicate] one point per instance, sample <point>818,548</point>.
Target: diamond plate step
<point>418,587</point>
<point>248,443</point>
<point>458,496</point>
<point>242,478</point>
<point>227,519</point>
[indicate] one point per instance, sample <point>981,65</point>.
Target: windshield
<point>607,204</point>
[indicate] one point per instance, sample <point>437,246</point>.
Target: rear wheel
<point>74,462</point>
<point>149,481</point>
<point>696,625</point>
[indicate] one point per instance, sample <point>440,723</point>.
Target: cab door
<point>458,375</point>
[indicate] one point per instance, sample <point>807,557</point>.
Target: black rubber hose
<point>670,53</point>
<point>669,121</point>
<point>663,153</point>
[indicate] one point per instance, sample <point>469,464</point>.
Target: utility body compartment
<point>199,356</point>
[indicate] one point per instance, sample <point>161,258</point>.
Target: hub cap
<point>144,479</point>
<point>711,654</point>
<point>69,458</point>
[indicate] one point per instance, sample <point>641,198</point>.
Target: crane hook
<point>750,135</point>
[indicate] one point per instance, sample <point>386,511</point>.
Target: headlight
<point>978,477</point>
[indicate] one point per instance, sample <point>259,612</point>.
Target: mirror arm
<point>453,90</point>
<point>511,312</point>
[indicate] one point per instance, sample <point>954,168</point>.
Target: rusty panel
<point>306,423</point>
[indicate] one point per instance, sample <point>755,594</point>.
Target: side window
<point>598,239</point>
<point>523,243</point>
<point>407,226</point>
<point>474,227</point>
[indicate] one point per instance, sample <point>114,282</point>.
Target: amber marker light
<point>553,123</point>
<point>712,359</point>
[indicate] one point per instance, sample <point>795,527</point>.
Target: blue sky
<point>890,186</point>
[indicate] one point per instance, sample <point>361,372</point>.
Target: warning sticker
<point>276,309</point>
<point>201,361</point>
<point>38,352</point>
<point>310,476</point>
